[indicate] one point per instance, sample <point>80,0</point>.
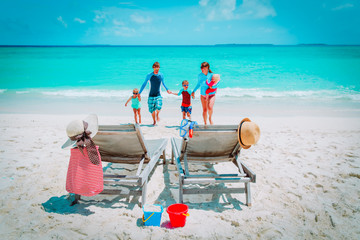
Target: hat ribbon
<point>240,135</point>
<point>84,140</point>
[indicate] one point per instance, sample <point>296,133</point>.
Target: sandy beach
<point>291,67</point>
<point>307,185</point>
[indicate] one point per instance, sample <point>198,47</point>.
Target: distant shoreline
<point>215,45</point>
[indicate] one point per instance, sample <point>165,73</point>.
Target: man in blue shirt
<point>155,100</point>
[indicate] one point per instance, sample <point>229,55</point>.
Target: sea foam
<point>223,93</point>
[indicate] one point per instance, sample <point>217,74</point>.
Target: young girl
<point>135,104</point>
<point>214,81</point>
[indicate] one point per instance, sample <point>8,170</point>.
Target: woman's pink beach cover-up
<point>83,177</point>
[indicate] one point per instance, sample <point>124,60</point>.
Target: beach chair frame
<point>147,160</point>
<point>181,155</point>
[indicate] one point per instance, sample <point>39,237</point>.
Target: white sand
<point>307,187</point>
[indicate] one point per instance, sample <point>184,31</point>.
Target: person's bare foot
<point>157,118</point>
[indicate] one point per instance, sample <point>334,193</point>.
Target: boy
<point>186,101</point>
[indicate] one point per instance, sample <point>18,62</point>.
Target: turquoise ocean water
<point>329,74</point>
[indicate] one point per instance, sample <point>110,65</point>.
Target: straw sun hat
<point>248,133</point>
<point>77,127</point>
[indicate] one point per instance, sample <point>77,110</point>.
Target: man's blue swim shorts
<point>154,103</point>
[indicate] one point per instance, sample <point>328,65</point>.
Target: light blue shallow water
<point>253,72</point>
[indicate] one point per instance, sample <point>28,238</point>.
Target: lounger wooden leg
<point>248,194</point>
<point>181,190</point>
<point>172,157</point>
<point>164,157</point>
<point>143,198</point>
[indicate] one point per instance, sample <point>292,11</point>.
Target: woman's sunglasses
<point>185,85</point>
<point>135,93</point>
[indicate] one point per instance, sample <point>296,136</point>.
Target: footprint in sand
<point>276,185</point>
<point>310,173</point>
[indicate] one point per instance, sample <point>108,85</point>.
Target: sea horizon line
<point>210,45</point>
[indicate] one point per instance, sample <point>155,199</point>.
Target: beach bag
<point>84,177</point>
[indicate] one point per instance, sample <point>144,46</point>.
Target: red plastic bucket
<point>178,213</point>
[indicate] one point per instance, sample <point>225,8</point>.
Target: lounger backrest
<point>212,141</point>
<point>120,142</point>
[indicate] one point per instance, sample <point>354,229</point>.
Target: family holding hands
<point>207,82</point>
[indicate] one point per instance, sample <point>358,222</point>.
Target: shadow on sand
<point>61,205</point>
<point>217,203</point>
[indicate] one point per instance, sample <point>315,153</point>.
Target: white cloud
<point>199,28</point>
<point>150,29</point>
<point>60,19</point>
<point>79,20</point>
<point>127,3</point>
<point>219,10</point>
<point>122,31</point>
<point>140,19</point>
<point>344,6</point>
<point>99,17</point>
<point>118,23</point>
<point>266,30</point>
<point>258,8</point>
<point>203,3</point>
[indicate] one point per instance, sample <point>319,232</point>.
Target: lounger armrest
<point>144,175</point>
<point>175,148</point>
<point>249,172</point>
<point>176,153</point>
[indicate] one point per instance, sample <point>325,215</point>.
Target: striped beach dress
<point>83,177</point>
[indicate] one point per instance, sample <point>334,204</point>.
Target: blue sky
<point>178,22</point>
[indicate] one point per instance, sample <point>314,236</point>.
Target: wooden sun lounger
<point>215,143</point>
<point>125,144</point>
